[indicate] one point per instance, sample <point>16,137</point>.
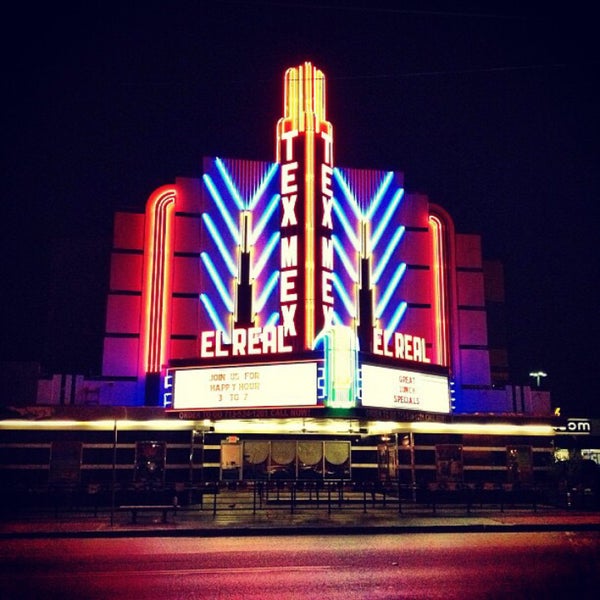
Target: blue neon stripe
<point>346,299</point>
<point>395,320</point>
<point>337,173</point>
<point>386,218</point>
<point>266,254</point>
<point>379,195</point>
<point>341,215</point>
<point>229,183</point>
<point>264,219</point>
<point>263,186</point>
<point>270,286</point>
<point>216,279</point>
<point>218,240</point>
<point>383,261</point>
<point>233,229</point>
<point>273,319</point>
<point>337,244</point>
<point>391,288</point>
<point>214,317</point>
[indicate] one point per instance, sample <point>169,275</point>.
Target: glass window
<point>449,463</point>
<point>519,464</point>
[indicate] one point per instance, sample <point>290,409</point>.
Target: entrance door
<point>231,461</point>
<point>387,462</point>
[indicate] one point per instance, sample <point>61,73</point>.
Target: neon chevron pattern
<point>366,207</point>
<point>233,187</point>
<point>361,198</point>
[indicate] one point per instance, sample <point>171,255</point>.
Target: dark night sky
<point>490,111</point>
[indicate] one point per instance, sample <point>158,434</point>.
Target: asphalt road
<point>467,566</point>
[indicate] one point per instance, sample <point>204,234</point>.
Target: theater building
<point>297,319</point>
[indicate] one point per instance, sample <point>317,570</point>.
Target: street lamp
<point>538,375</point>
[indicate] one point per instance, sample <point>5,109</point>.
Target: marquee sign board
<point>281,385</point>
<point>387,387</point>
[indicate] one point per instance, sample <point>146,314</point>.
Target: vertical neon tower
<point>438,281</point>
<point>305,153</point>
<point>157,282</point>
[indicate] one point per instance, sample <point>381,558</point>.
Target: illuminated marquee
<point>385,387</point>
<point>300,255</point>
<point>245,386</point>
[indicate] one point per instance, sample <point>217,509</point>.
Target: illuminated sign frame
<point>390,387</point>
<point>246,386</point>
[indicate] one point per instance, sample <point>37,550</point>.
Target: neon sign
<point>157,291</point>
<point>407,390</point>
<point>245,386</point>
<point>321,248</point>
<point>305,152</point>
<point>301,257</point>
<point>245,342</point>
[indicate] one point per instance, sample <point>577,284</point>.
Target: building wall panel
<point>475,367</point>
<point>184,320</point>
<point>123,314</point>
<point>187,233</point>
<point>120,357</point>
<point>186,275</point>
<point>470,288</point>
<point>126,272</point>
<point>128,231</point>
<point>472,328</point>
<point>468,251</point>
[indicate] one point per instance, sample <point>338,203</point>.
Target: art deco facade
<point>305,318</point>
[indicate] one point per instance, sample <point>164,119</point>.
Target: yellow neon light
<point>244,247</point>
<point>309,231</point>
<point>477,428</point>
<point>100,425</point>
<point>365,237</point>
<point>295,425</point>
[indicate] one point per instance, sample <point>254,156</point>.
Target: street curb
<point>296,531</point>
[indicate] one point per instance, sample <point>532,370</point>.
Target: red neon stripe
<point>157,283</point>
<point>440,304</point>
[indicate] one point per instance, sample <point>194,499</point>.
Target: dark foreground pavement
<point>203,521</point>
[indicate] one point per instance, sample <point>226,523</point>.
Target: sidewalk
<point>196,521</point>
